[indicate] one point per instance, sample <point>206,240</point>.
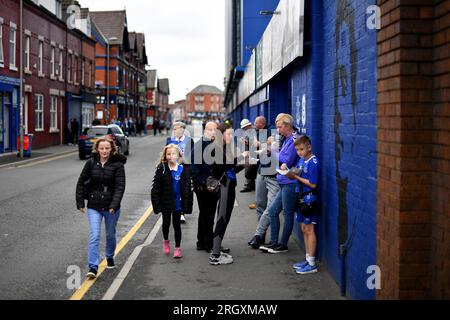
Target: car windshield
<point>97,132</point>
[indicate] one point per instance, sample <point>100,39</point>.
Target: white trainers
<point>183,219</point>
<point>224,258</point>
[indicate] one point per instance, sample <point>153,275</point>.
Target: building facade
<point>55,83</point>
<point>204,101</point>
<point>369,93</point>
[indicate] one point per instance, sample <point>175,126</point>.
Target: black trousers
<point>207,204</point>
<point>167,217</point>
<point>226,206</point>
<point>251,172</point>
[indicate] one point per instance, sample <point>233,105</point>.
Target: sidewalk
<point>11,159</point>
<point>253,275</point>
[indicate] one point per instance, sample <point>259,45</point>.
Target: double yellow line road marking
<point>87,284</point>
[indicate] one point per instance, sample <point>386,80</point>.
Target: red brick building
<point>413,210</point>
<point>54,82</point>
<point>204,100</point>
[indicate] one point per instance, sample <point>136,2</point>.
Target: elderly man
<point>250,169</point>
<point>207,201</point>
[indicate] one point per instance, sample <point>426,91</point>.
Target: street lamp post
<point>21,104</point>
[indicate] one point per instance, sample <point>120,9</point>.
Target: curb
<point>50,156</point>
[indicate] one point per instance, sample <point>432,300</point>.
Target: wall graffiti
<point>344,16</point>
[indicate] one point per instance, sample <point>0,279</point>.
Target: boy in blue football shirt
<point>307,173</point>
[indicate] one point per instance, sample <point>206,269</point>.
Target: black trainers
<point>268,247</point>
<point>252,241</point>
<point>278,249</point>
<point>257,242</point>
<point>92,274</point>
<point>110,263</point>
<point>225,249</point>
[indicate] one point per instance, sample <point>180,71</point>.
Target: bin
<point>27,143</point>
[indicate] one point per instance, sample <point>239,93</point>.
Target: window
<point>69,69</point>
<point>12,46</point>
<point>58,9</point>
<point>52,62</point>
<point>60,61</point>
<point>27,53</point>
<point>88,116</point>
<point>75,69</point>
<point>39,113</point>
<point>41,58</point>
<point>2,60</point>
<point>53,112</point>
<point>83,65</point>
<point>90,74</point>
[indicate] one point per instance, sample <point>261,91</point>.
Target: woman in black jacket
<point>225,171</point>
<point>102,182</point>
<point>172,194</point>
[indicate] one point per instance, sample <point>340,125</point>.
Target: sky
<point>185,40</point>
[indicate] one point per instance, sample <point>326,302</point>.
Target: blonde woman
<point>172,195</point>
<point>102,183</point>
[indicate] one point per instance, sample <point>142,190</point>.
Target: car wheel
<point>82,156</point>
<point>119,150</point>
<point>127,153</point>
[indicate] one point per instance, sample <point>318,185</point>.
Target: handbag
<point>213,184</point>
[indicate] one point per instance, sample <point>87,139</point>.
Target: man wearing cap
<point>251,170</point>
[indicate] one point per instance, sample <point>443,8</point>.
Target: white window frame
<point>60,65</point>
<point>90,74</point>
<point>12,44</point>
<point>52,61</point>
<point>2,56</point>
<point>75,69</point>
<point>27,53</point>
<point>69,68</point>
<point>41,58</point>
<point>39,112</point>
<point>83,66</point>
<point>53,113</point>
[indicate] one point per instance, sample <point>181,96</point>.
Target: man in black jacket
<point>207,201</point>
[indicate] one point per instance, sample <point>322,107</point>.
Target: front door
<point>6,122</point>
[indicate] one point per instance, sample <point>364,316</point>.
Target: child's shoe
<point>166,246</point>
<point>307,269</point>
<point>177,254</point>
<point>300,265</point>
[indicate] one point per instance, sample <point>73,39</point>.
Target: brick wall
<point>413,139</point>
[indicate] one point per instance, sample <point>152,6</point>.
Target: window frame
<point>53,113</point>
<point>52,61</point>
<point>60,64</point>
<point>37,111</point>
<point>27,53</point>
<point>13,28</point>
<point>41,58</point>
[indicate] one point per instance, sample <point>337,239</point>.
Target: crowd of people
<point>132,126</point>
<point>279,165</point>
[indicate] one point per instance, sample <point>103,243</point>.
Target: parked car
<point>90,136</point>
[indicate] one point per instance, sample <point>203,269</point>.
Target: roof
<point>163,86</point>
<point>151,79</point>
<point>112,24</point>
<point>205,89</point>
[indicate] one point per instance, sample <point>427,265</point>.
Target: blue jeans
<point>284,201</point>
<point>95,226</point>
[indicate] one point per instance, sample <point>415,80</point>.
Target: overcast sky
<point>185,39</point>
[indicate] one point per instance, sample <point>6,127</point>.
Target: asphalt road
<point>41,232</point>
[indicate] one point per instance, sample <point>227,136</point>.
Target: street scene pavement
<point>43,235</point>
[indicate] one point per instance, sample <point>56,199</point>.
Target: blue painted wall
<point>337,76</point>
<point>254,24</point>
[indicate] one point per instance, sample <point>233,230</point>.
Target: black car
<point>90,136</point>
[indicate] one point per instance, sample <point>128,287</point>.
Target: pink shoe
<point>177,254</point>
<point>166,246</point>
